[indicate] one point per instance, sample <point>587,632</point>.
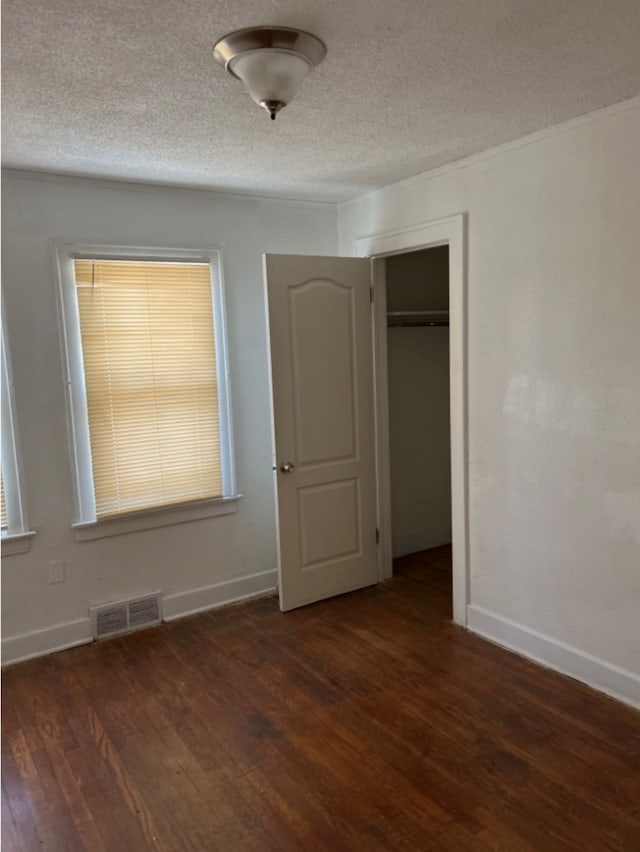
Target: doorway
<point>417,297</point>
<point>331,414</point>
<point>449,231</point>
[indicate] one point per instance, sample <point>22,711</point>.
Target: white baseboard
<point>605,677</point>
<point>38,643</point>
<point>219,594</point>
<point>26,646</point>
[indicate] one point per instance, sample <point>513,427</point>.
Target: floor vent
<point>123,616</point>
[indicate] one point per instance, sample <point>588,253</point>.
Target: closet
<point>417,291</point>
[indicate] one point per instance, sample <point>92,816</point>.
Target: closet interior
<point>417,292</point>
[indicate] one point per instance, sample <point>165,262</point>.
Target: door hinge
<point>377,536</point>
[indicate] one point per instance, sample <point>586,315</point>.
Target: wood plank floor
<point>368,722</point>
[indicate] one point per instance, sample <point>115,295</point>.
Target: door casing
<point>449,231</point>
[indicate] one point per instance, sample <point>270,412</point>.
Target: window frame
<point>17,537</point>
<point>86,524</point>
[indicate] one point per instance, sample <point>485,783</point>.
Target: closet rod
<point>417,319</point>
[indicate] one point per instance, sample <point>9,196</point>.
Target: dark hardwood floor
<point>367,722</point>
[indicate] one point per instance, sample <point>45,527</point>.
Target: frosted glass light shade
<point>270,61</point>
<point>270,75</point>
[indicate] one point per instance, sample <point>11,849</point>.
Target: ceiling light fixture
<point>270,61</point>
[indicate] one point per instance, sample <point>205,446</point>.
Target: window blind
<point>3,503</point>
<point>149,358</point>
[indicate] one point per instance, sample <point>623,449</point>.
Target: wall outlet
<point>56,572</point>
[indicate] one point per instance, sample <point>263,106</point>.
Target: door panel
<point>336,507</point>
<point>322,382</point>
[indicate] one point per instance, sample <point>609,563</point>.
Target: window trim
<point>161,516</point>
<point>17,537</point>
<point>86,523</point>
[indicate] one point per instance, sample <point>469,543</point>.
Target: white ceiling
<point>128,89</point>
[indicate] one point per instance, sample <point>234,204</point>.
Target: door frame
<point>449,231</point>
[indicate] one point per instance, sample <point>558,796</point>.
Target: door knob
<point>287,467</point>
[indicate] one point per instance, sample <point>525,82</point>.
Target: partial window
<point>3,505</point>
<point>15,535</point>
<point>147,380</point>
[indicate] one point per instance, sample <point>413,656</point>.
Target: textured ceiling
<point>128,89</point>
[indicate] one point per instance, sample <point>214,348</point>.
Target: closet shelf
<point>417,318</point>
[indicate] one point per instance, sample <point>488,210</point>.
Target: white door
<point>322,379</point>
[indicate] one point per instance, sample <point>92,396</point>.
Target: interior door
<point>322,382</point>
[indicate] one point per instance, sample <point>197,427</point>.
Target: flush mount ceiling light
<point>270,61</point>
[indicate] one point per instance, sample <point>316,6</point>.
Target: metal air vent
<point>123,616</point>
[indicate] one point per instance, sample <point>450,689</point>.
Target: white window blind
<point>149,360</point>
<point>3,503</point>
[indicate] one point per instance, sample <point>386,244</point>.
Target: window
<point>3,505</point>
<point>146,361</point>
<point>15,535</point>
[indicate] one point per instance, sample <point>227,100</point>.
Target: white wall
<point>553,376</point>
<point>174,559</point>
<point>419,432</point>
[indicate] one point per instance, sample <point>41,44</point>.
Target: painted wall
<point>174,559</point>
<point>419,432</point>
<point>553,373</point>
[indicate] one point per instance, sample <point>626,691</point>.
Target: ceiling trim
<point>42,176</point>
<point>465,162</point>
<point>504,148</point>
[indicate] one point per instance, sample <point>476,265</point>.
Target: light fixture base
<point>262,38</point>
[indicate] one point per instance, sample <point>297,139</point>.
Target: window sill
<point>13,543</point>
<point>154,518</point>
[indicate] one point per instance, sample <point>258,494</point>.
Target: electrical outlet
<point>56,572</point>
